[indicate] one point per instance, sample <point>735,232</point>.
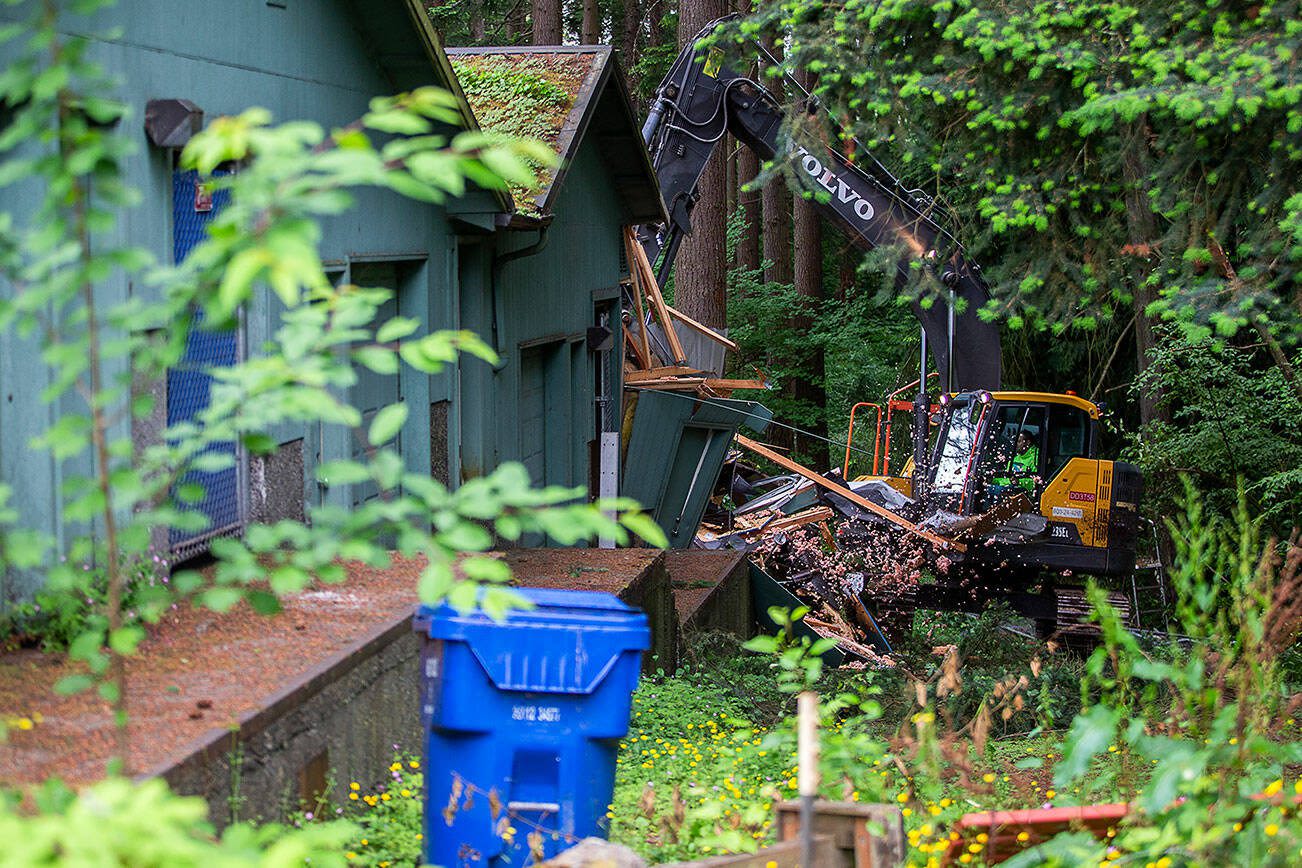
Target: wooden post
<point>641,320</point>
<point>703,330</point>
<point>808,777</point>
<point>864,835</point>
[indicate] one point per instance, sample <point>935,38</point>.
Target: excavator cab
<point>1078,512</point>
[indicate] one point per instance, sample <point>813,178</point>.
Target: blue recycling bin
<point>523,719</point>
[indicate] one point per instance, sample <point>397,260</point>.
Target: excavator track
<point>1072,625</point>
<point>893,614</point>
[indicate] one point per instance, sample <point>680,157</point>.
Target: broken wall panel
<point>676,449</point>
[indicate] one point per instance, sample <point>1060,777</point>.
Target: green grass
<point>707,748</point>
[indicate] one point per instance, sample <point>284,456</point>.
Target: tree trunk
<point>730,168</point>
<point>1142,225</point>
<point>776,206</point>
<point>748,244</point>
<point>516,25</point>
<point>848,270</point>
<point>591,30</point>
<point>655,22</point>
<point>477,29</point>
<point>777,210</point>
<point>700,274</point>
<point>808,386</point>
<point>546,22</point>
<point>630,29</point>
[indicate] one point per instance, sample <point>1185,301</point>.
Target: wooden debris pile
<point>644,366</point>
<point>847,554</point>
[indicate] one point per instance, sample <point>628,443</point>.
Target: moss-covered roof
<point>530,95</point>
<point>555,94</point>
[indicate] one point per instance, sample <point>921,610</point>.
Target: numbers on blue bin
<point>536,713</point>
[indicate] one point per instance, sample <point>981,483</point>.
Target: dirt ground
<point>200,671</point>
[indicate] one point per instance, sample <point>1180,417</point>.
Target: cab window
<point>957,448</point>
<point>1011,421</point>
<point>1069,437</point>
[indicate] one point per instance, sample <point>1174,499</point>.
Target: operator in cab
<point>1021,467</point>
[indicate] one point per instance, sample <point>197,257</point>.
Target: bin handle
<point>549,807</point>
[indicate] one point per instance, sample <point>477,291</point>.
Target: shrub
<point>1206,728</point>
<point>117,822</point>
<point>74,598</point>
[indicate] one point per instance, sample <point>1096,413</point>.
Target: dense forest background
<point>1127,175</point>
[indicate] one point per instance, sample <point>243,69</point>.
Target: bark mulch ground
<point>201,671</point>
<point>198,671</point>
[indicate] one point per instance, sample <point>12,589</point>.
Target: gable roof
<point>400,37</point>
<point>575,91</point>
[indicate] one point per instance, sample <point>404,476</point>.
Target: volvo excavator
<point>1003,528</point>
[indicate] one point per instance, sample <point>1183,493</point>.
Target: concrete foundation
<point>276,484</point>
<point>711,591</point>
<point>637,576</point>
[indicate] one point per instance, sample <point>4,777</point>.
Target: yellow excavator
<point>1075,511</point>
<point>1016,478</point>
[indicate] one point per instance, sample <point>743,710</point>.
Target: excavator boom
<point>702,99</point>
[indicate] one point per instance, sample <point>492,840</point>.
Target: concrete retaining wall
<point>340,721</point>
<point>338,724</point>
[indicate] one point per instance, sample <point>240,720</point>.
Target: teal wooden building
<point>537,274</point>
<point>563,387</point>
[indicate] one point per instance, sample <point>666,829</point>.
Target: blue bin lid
<point>568,643</point>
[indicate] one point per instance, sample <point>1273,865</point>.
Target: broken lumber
<point>858,500</point>
<point>821,513</point>
<point>643,276</point>
<point>669,383</point>
<point>818,513</point>
<point>660,373</point>
<point>703,330</point>
<point>641,321</point>
<point>830,631</point>
<point>643,361</point>
<point>736,384</point>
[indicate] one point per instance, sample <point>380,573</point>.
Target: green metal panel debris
<point>676,451</point>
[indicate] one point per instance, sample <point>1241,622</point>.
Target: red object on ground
<point>1003,828</point>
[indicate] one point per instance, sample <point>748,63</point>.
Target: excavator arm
<point>701,99</point>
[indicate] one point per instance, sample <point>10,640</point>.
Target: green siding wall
<point>312,61</point>
<point>546,304</point>
<point>307,61</point>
